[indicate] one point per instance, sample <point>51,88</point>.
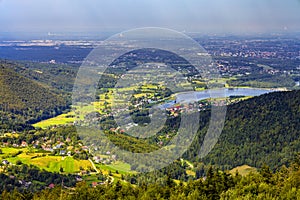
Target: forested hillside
<point>58,77</point>
<point>23,101</point>
<point>261,130</point>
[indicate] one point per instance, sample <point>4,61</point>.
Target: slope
<point>23,101</point>
<point>58,77</point>
<point>261,130</point>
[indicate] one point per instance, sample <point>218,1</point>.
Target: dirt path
<point>95,168</point>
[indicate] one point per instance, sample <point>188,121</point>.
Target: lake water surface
<point>193,96</point>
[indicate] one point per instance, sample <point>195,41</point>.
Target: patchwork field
<point>45,161</point>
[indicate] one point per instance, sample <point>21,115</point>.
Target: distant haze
<point>208,16</point>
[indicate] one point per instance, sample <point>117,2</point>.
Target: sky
<point>207,16</point>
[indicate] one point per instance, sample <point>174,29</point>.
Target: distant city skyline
<point>206,16</point>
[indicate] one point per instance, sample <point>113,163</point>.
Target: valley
<point>40,123</point>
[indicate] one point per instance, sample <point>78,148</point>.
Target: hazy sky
<point>188,15</point>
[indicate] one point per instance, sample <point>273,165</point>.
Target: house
<point>77,151</point>
<point>62,152</point>
<point>112,129</point>
<point>59,146</point>
<point>24,144</point>
<point>5,143</point>
<point>97,159</point>
<point>48,149</point>
<point>94,184</point>
<point>24,183</point>
<point>114,157</point>
<point>27,184</point>
<point>5,162</point>
<point>122,131</point>
<point>85,148</point>
<point>83,172</point>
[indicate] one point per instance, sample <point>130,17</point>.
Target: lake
<point>192,96</point>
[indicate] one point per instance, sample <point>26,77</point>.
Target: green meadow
<point>68,118</point>
<point>243,170</point>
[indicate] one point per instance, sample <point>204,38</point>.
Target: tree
<point>266,173</point>
<point>19,162</point>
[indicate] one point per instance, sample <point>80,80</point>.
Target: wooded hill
<point>261,130</point>
<point>57,77</point>
<point>24,101</point>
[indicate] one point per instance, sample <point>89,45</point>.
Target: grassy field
<point>243,170</point>
<point>58,120</point>
<point>67,118</point>
<point>53,163</point>
<point>8,150</point>
<point>69,164</point>
<point>121,167</point>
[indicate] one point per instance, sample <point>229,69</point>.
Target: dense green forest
<point>23,101</point>
<point>57,77</point>
<point>260,130</point>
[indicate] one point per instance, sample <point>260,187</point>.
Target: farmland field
<point>8,150</point>
<point>119,166</point>
<point>67,118</point>
<point>45,161</point>
<point>58,120</point>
